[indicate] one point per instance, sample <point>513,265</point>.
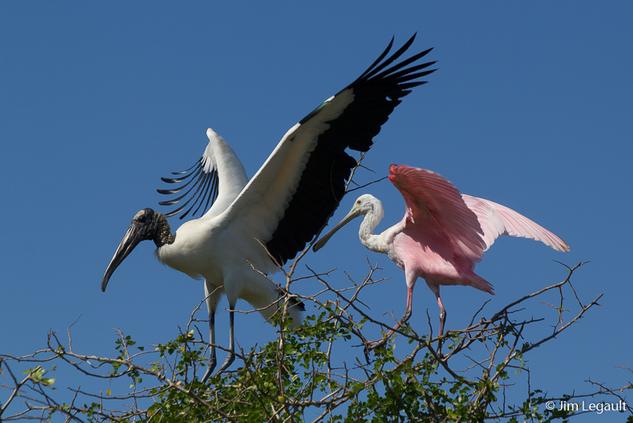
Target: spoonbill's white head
<point>363,205</point>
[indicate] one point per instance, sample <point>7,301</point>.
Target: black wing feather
<point>204,187</point>
<point>376,93</point>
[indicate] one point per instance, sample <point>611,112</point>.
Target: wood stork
<point>442,236</point>
<point>254,226</point>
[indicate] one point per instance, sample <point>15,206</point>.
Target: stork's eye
<point>357,201</point>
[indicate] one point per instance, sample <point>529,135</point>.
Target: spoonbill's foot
<point>440,343</point>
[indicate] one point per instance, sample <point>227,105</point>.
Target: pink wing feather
<point>470,224</point>
<point>433,203</point>
<point>497,220</point>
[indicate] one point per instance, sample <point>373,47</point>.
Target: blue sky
<point>531,107</point>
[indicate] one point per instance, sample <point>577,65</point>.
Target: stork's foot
<point>229,360</point>
<point>210,368</point>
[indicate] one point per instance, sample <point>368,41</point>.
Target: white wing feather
<point>219,156</point>
<point>262,202</point>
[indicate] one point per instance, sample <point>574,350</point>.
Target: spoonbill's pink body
<point>443,233</point>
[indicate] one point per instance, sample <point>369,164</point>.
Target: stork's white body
<point>254,226</point>
<point>226,245</point>
<point>230,260</point>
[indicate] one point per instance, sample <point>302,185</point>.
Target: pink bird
<point>443,233</point>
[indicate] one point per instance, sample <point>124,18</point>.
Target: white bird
<point>254,226</point>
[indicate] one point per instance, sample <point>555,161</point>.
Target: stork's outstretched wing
<point>297,189</point>
<point>195,187</point>
<point>200,184</point>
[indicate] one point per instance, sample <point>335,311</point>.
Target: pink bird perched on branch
<point>443,233</point>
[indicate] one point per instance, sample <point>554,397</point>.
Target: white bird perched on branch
<point>254,226</point>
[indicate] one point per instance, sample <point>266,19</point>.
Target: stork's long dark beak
<point>130,240</point>
<point>354,212</point>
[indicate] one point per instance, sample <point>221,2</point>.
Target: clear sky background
<point>532,107</point>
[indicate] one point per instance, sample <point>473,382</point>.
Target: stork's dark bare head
<point>146,224</point>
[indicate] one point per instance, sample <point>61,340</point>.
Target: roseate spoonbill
<point>254,226</point>
<point>443,233</point>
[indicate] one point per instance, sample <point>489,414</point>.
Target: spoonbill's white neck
<point>371,209</point>
<point>373,215</point>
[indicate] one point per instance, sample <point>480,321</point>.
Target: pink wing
<point>435,205</point>
<point>497,220</point>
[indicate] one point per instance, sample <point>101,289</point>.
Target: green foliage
<point>36,375</point>
<point>321,371</point>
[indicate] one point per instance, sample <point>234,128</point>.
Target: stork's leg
<point>212,356</point>
<point>212,295</point>
<point>411,277</point>
<point>229,359</point>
